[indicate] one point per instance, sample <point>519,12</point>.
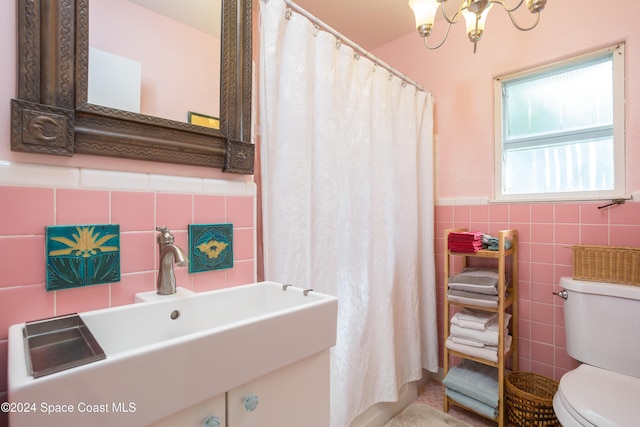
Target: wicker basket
<point>530,399</point>
<point>610,264</point>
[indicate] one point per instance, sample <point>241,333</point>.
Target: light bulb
<point>425,14</point>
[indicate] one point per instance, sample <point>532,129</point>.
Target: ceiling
<point>199,14</point>
<point>368,23</point>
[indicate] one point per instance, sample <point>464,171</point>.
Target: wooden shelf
<point>508,297</point>
<point>484,253</point>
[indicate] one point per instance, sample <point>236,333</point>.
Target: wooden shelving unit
<point>508,298</point>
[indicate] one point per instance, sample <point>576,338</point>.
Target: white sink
<point>156,365</point>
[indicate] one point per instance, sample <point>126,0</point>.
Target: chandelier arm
<point>503,3</point>
<point>476,38</point>
<point>456,16</point>
<point>515,24</point>
<point>441,43</point>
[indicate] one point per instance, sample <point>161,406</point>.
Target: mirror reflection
<point>156,57</point>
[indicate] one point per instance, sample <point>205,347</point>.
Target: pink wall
<point>463,87</point>
<point>462,82</point>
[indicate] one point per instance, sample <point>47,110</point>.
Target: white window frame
<point>619,190</point>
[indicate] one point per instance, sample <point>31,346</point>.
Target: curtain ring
<point>338,43</point>
<point>375,66</point>
<point>404,83</point>
<point>390,76</point>
<point>287,14</point>
<point>316,29</point>
<point>356,56</point>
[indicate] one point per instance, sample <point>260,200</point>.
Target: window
<point>560,130</point>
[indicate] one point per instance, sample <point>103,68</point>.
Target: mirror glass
<point>156,57</point>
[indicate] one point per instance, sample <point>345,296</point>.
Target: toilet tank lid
<point>601,288</point>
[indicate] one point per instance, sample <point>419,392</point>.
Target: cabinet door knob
<point>211,421</point>
<point>250,402</point>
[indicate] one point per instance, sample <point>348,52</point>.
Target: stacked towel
<point>478,280</point>
<point>475,386</point>
<point>476,286</point>
<point>488,353</point>
<point>481,300</point>
<point>465,241</point>
<point>477,334</point>
<point>487,336</point>
<point>472,319</point>
<point>493,243</point>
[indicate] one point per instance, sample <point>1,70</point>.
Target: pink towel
<point>465,241</point>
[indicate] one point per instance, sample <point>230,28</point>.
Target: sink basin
<point>165,356</point>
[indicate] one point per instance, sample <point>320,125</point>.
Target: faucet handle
<point>164,236</point>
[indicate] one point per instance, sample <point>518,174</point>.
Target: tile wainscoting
<point>546,230</point>
<point>33,197</point>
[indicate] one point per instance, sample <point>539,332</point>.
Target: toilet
<point>602,322</point>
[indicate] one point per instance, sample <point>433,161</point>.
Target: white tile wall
<point>33,175</point>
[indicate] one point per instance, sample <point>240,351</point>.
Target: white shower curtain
<point>347,202</point>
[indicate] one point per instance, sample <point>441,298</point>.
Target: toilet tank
<point>602,323</point>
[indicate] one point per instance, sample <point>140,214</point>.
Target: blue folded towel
<point>473,379</point>
<point>493,243</point>
<point>470,403</point>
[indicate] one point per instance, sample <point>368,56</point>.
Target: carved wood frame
<point>51,114</point>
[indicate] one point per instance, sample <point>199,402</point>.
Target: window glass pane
<point>580,166</point>
<point>574,98</point>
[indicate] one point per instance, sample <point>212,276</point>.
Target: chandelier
<point>474,12</point>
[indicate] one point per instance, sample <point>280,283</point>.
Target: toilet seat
<point>597,397</point>
<point>565,413</point>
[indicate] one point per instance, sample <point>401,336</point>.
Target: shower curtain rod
<point>353,45</point>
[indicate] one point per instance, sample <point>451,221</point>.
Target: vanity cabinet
<point>504,261</point>
<point>293,396</point>
<point>204,414</point>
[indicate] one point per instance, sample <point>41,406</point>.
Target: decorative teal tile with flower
<point>82,255</point>
<point>210,247</point>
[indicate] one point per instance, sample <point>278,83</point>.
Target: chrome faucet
<point>168,254</point>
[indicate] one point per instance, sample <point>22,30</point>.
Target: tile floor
<point>432,394</point>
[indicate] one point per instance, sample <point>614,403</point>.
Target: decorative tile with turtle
<point>82,255</point>
<point>210,247</point>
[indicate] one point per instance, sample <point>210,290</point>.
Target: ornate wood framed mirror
<point>51,114</point>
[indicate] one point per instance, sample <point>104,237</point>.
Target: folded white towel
<point>467,341</point>
<point>488,336</point>
<point>476,316</point>
<point>484,353</point>
<point>468,324</point>
<point>493,326</point>
<point>473,319</point>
